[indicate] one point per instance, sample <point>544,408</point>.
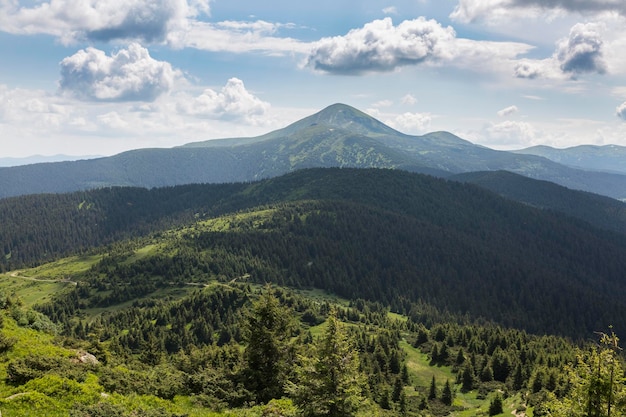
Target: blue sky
<point>90,77</point>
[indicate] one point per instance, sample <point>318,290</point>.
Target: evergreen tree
<point>432,392</point>
<point>268,354</point>
<point>446,394</point>
<point>518,378</point>
<point>329,382</point>
<point>467,378</point>
<point>495,406</point>
<point>397,389</point>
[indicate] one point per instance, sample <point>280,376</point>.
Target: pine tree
<point>398,386</point>
<point>495,407</point>
<point>432,392</point>
<point>329,381</point>
<point>268,354</point>
<point>467,378</point>
<point>446,394</point>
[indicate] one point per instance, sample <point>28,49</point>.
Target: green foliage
<point>329,382</point>
<point>495,406</point>
<point>596,383</point>
<point>446,394</point>
<point>269,355</point>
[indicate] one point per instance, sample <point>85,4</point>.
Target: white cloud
<point>581,52</point>
<point>112,120</point>
<point>390,10</point>
<point>127,75</point>
<point>233,102</point>
<point>383,103</point>
<point>498,10</point>
<point>71,20</point>
<point>508,111</point>
<point>621,111</point>
<point>510,133</point>
<point>379,46</point>
<point>33,121</point>
<point>409,100</point>
<point>411,122</point>
<point>238,37</point>
<point>32,109</point>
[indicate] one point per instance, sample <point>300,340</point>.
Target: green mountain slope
<point>600,211</point>
<point>382,235</point>
<point>338,136</point>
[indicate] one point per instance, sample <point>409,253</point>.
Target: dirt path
<point>16,274</point>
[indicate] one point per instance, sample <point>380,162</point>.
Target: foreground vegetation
<point>258,351</point>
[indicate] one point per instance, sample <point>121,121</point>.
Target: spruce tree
<point>432,392</point>
<point>446,394</point>
<point>329,381</point>
<point>467,378</point>
<point>495,407</point>
<point>268,354</point>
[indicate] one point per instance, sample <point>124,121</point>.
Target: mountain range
<point>337,136</point>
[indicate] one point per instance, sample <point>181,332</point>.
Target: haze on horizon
<point>100,77</point>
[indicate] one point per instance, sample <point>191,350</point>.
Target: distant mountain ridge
<point>38,159</point>
<point>337,136</point>
<point>607,158</point>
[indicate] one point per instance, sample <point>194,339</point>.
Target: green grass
<point>141,253</point>
<point>31,292</point>
<point>421,373</point>
<point>63,268</point>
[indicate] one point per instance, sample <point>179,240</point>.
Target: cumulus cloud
<point>508,111</point>
<point>409,100</point>
<point>381,46</point>
<point>581,52</point>
<point>233,102</point>
<point>31,108</point>
<point>411,122</point>
<point>510,133</point>
<point>621,111</point>
<point>472,10</point>
<point>531,69</point>
<point>69,20</point>
<point>128,75</point>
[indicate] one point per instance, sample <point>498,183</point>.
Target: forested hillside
<point>385,236</point>
<point>338,292</point>
<point>600,211</point>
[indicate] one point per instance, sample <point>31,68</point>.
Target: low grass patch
<point>29,290</point>
<point>63,268</point>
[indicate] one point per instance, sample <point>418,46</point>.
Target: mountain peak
<point>343,116</point>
